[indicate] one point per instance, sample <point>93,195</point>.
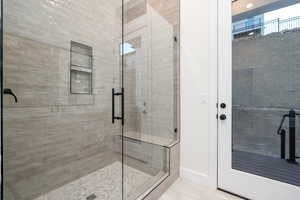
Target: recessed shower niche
<point>62,59</point>
<point>81,68</point>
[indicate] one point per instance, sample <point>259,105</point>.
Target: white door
<point>259,84</point>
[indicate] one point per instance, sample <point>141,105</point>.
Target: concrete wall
<point>266,86</point>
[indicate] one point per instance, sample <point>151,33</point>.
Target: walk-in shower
<point>90,98</point>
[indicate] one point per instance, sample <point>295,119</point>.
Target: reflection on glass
<point>266,89</point>
<point>150,65</point>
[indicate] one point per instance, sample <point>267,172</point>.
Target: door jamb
<point>213,91</point>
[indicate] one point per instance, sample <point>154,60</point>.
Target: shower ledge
<point>156,140</point>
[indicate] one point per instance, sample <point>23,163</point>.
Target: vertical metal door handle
<point>122,109</point>
<point>113,105</point>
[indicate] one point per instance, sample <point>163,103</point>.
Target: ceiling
<point>256,7</point>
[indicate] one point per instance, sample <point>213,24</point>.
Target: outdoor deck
<point>266,166</point>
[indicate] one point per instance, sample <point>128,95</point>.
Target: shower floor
<point>105,184</point>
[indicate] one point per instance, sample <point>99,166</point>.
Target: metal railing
<point>272,26</point>
<point>292,136</point>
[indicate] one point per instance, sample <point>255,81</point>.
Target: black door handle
<point>113,106</point>
<point>8,91</point>
<point>223,117</point>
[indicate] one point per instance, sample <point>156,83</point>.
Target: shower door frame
<point>1,109</point>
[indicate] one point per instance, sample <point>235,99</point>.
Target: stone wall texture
<point>52,137</point>
<point>266,85</point>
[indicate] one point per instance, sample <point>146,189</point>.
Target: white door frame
<point>240,183</point>
<point>213,93</point>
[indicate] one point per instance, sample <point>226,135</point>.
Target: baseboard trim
<point>194,176</point>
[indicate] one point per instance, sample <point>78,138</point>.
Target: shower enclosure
<point>90,93</point>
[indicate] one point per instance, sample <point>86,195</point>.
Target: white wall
<point>199,90</point>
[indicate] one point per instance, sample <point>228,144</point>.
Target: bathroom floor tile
<point>184,189</point>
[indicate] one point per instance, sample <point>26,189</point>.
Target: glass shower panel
<point>60,143</point>
<point>150,70</point>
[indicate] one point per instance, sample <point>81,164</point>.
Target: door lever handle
<point>8,91</point>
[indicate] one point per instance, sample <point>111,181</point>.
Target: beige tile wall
<point>52,137</point>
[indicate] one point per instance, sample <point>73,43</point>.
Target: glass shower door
<point>150,76</point>
<point>90,98</point>
<point>59,68</point>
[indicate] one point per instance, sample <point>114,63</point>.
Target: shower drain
<point>91,197</point>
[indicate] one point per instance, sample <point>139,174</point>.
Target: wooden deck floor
<point>266,166</point>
